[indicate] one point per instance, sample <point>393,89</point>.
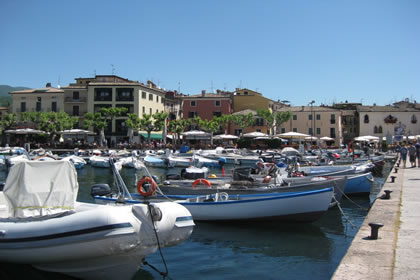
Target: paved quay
<point>395,253</point>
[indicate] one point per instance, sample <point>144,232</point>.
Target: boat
<point>155,161</point>
<point>131,162</point>
<point>43,225</point>
<point>78,162</point>
<point>306,206</point>
<point>200,161</point>
<point>99,161</point>
<point>359,184</point>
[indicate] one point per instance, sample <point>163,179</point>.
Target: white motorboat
<point>99,161</point>
<point>42,224</point>
<point>78,162</point>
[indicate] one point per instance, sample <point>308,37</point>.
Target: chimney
<point>48,85</point>
<point>203,92</point>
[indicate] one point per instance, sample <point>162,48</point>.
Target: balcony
<point>125,98</point>
<point>74,100</point>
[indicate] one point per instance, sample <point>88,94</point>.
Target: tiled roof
<point>38,90</point>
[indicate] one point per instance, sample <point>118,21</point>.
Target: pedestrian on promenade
<point>418,152</point>
<point>403,154</point>
<point>412,154</point>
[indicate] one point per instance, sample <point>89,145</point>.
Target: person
<point>403,154</point>
<point>412,154</point>
<point>265,167</point>
<point>418,152</point>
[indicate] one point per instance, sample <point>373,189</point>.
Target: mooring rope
<point>164,274</point>
<point>342,212</point>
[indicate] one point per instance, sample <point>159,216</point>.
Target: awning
<point>153,135</point>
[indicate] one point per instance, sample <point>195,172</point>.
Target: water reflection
<point>270,239</point>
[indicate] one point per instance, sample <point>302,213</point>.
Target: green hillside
<point>5,98</point>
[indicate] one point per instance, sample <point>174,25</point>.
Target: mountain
<point>5,97</point>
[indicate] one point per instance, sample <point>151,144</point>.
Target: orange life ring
<point>204,181</point>
<point>140,186</point>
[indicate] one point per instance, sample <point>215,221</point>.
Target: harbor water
<point>269,250</point>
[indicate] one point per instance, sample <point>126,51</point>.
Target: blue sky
<point>298,50</point>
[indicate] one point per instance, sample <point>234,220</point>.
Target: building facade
<point>398,119</point>
<point>318,121</point>
<point>48,99</point>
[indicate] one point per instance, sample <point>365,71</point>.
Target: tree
<point>282,117</point>
<point>7,122</point>
<point>53,123</point>
<point>243,120</point>
<point>269,117</point>
<point>153,122</point>
<point>133,123</point>
<point>98,123</point>
<point>177,127</point>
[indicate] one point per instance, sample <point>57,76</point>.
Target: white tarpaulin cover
<point>41,188</point>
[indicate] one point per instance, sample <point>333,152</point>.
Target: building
<point>350,120</point>
<point>318,121</point>
<point>48,99</point>
<point>207,105</point>
<point>246,101</point>
<point>104,91</point>
<point>401,118</point>
<point>174,105</point>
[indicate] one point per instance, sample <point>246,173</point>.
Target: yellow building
<point>105,91</point>
<point>246,101</point>
<point>48,99</point>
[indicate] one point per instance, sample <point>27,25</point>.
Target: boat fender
<point>203,181</point>
<point>150,182</point>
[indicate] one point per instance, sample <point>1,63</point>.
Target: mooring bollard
<point>374,228</point>
<point>396,169</point>
<point>393,179</point>
<point>387,194</point>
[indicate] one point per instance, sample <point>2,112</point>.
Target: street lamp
<point>312,119</point>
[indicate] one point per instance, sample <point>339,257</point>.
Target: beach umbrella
<point>326,138</point>
<point>24,131</point>
<point>225,137</point>
<point>77,132</point>
<point>294,135</point>
<point>254,134</point>
<point>196,135</point>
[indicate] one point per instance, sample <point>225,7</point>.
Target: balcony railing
<point>75,100</point>
<point>125,98</point>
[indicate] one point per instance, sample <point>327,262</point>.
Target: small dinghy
<point>42,224</point>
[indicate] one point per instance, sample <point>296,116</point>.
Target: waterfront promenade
<point>396,252</point>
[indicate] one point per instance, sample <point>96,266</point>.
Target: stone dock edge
<point>394,254</point>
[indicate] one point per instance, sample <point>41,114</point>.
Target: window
<point>375,129</point>
<point>23,107</point>
<point>143,95</point>
<point>332,120</point>
<point>76,95</point>
<point>217,114</point>
<point>157,98</point>
<point>310,131</point>
<point>294,117</point>
<point>318,131</point>
<point>144,110</point>
<point>150,97</point>
<point>238,132</point>
<point>217,103</point>
<point>150,111</point>
<point>103,94</point>
<point>332,132</point>
<point>318,117</point>
<point>192,114</point>
<point>38,106</point>
<point>54,106</point>
<point>366,119</point>
<point>259,121</point>
<point>75,110</point>
<point>125,94</point>
<point>157,110</point>
<point>380,129</point>
<point>245,93</point>
<point>294,129</point>
<point>192,103</point>
<point>310,117</point>
<point>283,130</point>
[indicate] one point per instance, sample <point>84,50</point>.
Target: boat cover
<point>41,188</point>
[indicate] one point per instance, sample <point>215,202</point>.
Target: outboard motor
<point>100,189</point>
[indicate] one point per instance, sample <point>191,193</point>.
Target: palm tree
<point>243,120</point>
<point>53,123</point>
<point>98,123</point>
<point>7,122</point>
<point>177,127</point>
<point>153,122</point>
